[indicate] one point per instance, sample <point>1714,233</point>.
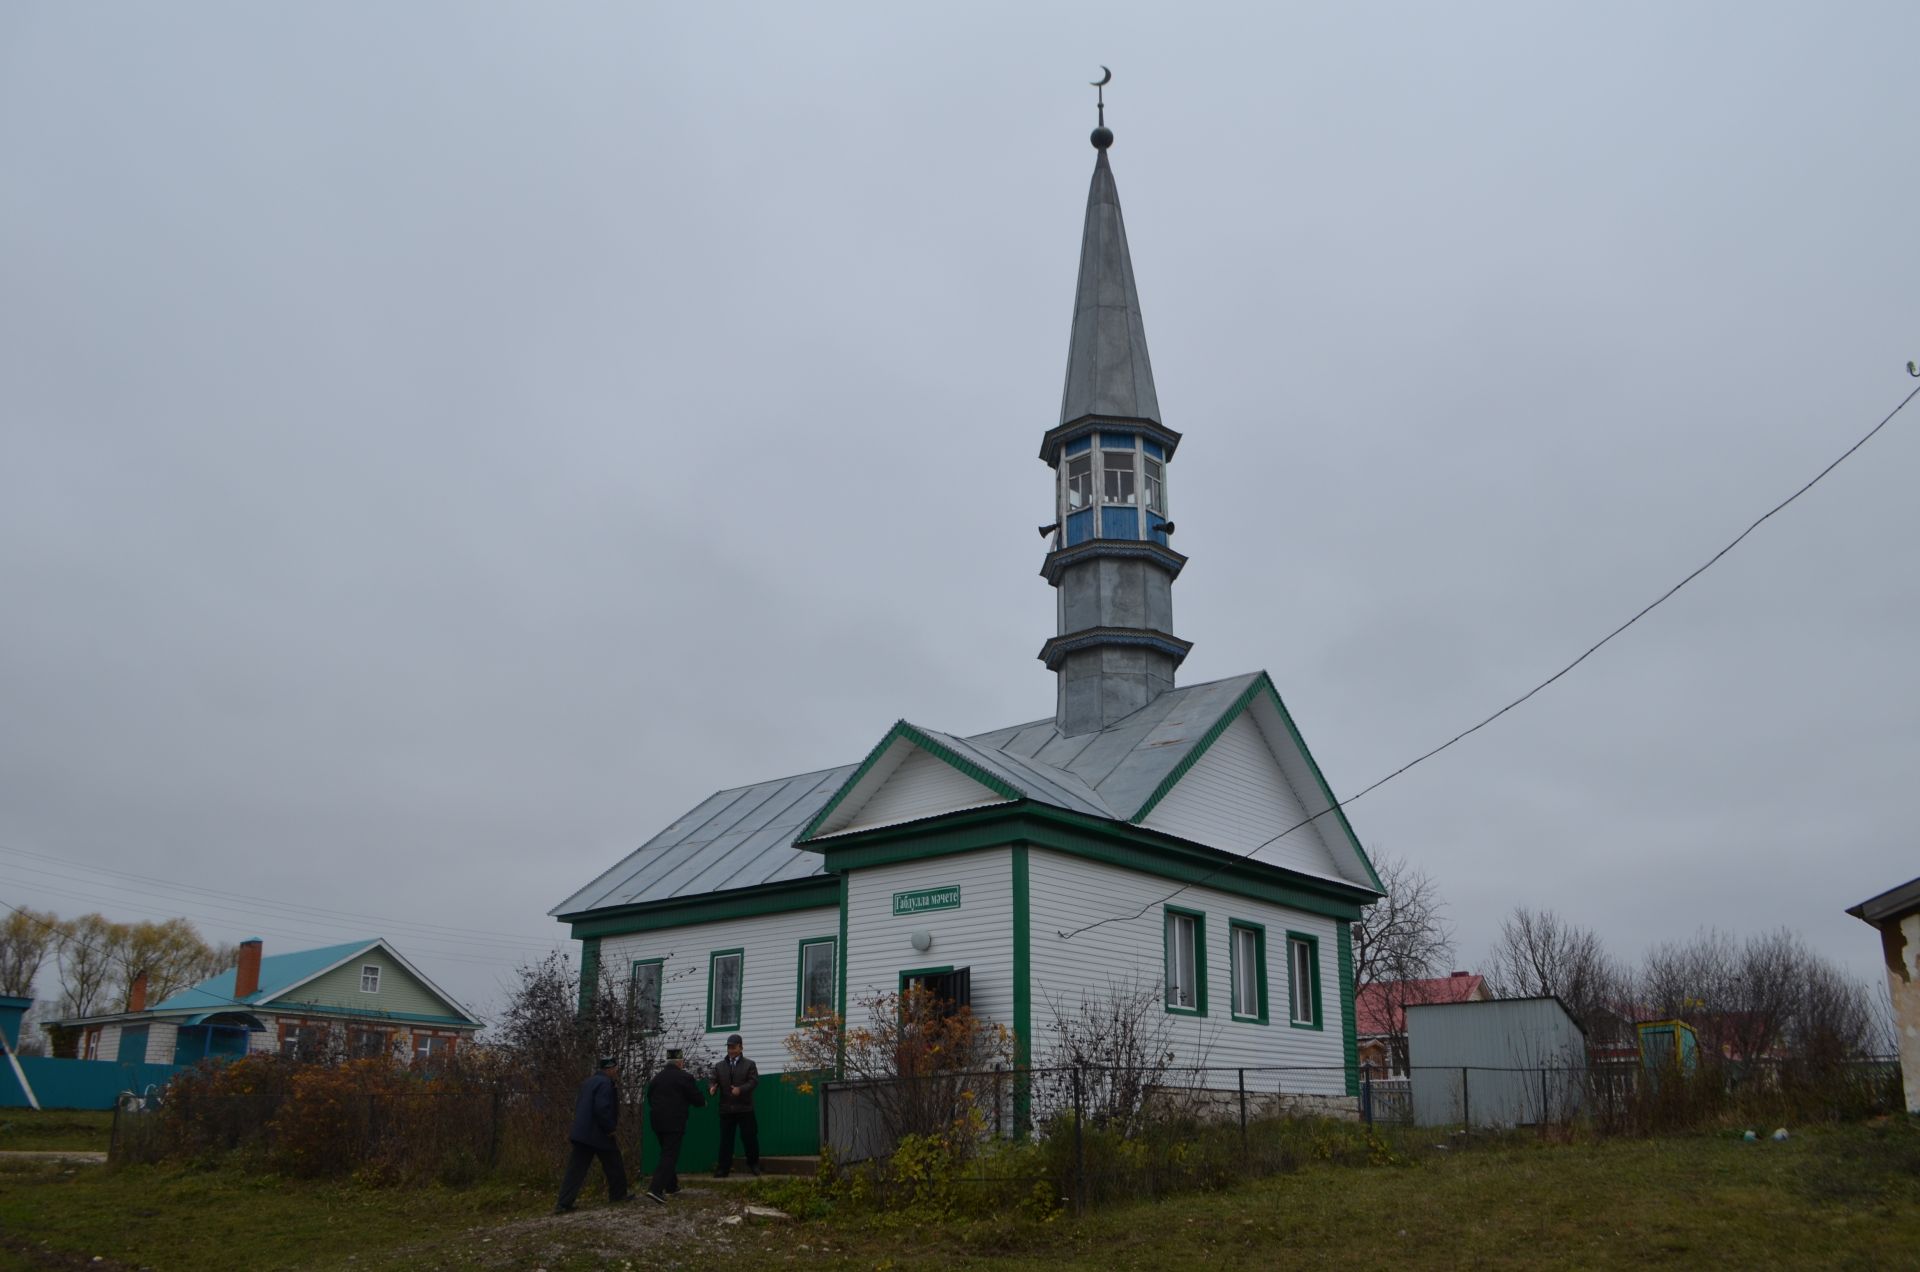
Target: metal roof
<point>744,837</point>
<point>1894,902</point>
<point>278,973</point>
<point>1107,368</point>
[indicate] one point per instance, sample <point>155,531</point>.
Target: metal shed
<point>1510,1062</point>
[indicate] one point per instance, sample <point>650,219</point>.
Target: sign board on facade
<point>926,899</point>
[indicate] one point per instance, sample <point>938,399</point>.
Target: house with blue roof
<point>1179,838</point>
<point>361,998</point>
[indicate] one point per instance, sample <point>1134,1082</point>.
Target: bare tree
<point>26,938</point>
<point>89,960</point>
<point>1120,1044</point>
<point>1400,941</point>
<point>170,954</point>
<point>1540,954</point>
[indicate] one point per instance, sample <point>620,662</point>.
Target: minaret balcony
<point>1073,430</point>
<point>1065,557</point>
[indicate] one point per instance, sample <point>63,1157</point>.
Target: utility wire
<point>464,934</point>
<point>1469,732</point>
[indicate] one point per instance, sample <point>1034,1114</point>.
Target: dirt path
<point>701,1226</point>
<point>54,1156</point>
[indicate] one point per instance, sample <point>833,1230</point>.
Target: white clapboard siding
<point>1068,892</point>
<point>162,1036</point>
<point>978,935</point>
<point>920,785</point>
<point>1236,798</point>
<point>770,982</point>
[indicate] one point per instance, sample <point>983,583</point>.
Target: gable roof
<point>747,836</point>
<point>281,974</point>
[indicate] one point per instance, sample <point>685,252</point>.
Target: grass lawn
<point>43,1129</point>
<point>1828,1198</point>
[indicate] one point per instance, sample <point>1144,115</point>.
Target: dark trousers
<point>666,1172</point>
<point>749,1140</point>
<point>578,1162</point>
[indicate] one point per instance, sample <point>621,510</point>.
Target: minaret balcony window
<point>1128,472</point>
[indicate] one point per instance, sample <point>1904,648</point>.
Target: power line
<point>1469,732</point>
<point>475,935</point>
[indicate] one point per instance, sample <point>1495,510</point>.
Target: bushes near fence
<point>374,1119</point>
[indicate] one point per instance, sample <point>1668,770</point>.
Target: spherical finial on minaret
<point>1102,136</point>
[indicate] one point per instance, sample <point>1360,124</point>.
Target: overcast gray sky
<point>439,444</point>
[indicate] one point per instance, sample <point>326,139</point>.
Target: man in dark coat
<point>671,1093</point>
<point>734,1079</point>
<point>596,1113</point>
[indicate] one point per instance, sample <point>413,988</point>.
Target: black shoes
<point>656,1199</point>
<point>563,1210</point>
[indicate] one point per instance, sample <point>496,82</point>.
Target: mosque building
<point>1187,824</point>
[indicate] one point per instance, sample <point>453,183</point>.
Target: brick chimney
<point>246,976</point>
<point>137,993</point>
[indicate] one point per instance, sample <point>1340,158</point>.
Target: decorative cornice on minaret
<point>1110,565</point>
<point>1108,372</point>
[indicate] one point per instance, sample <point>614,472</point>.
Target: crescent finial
<point>1106,77</point>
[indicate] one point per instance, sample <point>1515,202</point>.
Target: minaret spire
<point>1110,563</point>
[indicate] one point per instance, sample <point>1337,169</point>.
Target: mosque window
<point>1156,484</point>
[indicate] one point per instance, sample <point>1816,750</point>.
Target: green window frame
<point>801,1014</point>
<point>659,966</point>
<point>1247,955</point>
<point>1304,1006</point>
<point>1170,929</point>
<point>714,1022</point>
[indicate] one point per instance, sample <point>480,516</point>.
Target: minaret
<point>1110,564</point>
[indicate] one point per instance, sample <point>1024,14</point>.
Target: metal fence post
<point>1466,1101</point>
<point>1079,1147</point>
<point>1544,1114</point>
<point>1366,1097</point>
<point>1243,1112</point>
<point>113,1135</point>
<point>493,1131</point>
<point>826,1115</point>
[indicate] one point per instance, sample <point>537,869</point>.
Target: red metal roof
<point>1379,1008</point>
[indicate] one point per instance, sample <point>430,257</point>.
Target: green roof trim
<point>1326,792</point>
<point>1212,735</point>
<point>1197,750</point>
<point>1096,839</point>
<point>904,732</point>
<point>814,891</point>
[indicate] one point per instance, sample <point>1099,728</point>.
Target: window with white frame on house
<point>816,978</point>
<point>648,977</point>
<point>430,1048</point>
<point>364,1043</point>
<point>725,972</point>
<point>369,979</point>
<point>1303,981</point>
<point>1186,961</point>
<point>1248,955</point>
<point>304,1042</point>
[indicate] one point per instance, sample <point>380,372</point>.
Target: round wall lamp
<point>923,940</point>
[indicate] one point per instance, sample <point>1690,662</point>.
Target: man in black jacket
<point>671,1093</point>
<point>734,1079</point>
<point>596,1113</point>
